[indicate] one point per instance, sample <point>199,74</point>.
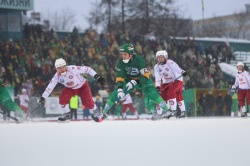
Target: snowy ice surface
<point>182,142</point>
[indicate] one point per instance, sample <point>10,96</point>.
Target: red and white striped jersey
<point>242,80</point>
<point>73,78</point>
<point>128,99</point>
<point>23,99</point>
<point>166,73</point>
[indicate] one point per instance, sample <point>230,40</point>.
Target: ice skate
<point>244,114</point>
<point>168,114</point>
<point>124,118</point>
<point>28,118</point>
<point>156,117</point>
<point>97,116</point>
<point>20,116</point>
<point>183,114</point>
<point>64,118</point>
<point>136,115</point>
<point>104,116</point>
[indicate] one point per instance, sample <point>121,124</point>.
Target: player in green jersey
<point>131,73</point>
<point>8,104</point>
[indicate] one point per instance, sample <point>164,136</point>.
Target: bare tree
<point>123,16</point>
<point>62,20</point>
<point>141,17</point>
<point>213,27</point>
<point>216,29</point>
<point>242,21</point>
<point>104,15</point>
<point>95,16</point>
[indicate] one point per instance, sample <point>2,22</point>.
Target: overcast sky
<point>190,8</point>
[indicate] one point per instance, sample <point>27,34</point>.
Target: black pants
<point>5,112</point>
<point>73,112</point>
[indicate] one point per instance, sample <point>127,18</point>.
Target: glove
<point>99,79</point>
<point>158,89</point>
<point>184,73</point>
<point>42,101</point>
<point>120,94</point>
<point>233,90</point>
<point>130,84</point>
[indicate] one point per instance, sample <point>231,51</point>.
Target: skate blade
<point>66,121</point>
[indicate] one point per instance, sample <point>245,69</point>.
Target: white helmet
<point>240,64</point>
<point>24,90</point>
<point>60,62</point>
<point>162,53</point>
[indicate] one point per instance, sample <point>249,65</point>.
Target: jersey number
<point>132,71</point>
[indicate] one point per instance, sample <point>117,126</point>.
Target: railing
<point>241,56</point>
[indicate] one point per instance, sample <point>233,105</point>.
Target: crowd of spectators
<point>211,105</point>
<point>29,62</point>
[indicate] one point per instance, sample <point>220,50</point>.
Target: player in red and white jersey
<point>128,103</point>
<point>75,84</point>
<point>24,102</point>
<point>179,98</point>
<point>242,81</point>
<point>166,71</point>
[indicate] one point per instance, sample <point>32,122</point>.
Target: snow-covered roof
<point>228,69</point>
<point>215,39</point>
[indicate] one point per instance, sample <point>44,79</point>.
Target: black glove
<point>99,79</point>
<point>184,73</point>
<point>158,89</point>
<point>42,101</point>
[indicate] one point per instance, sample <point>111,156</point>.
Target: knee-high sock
<point>173,104</point>
<point>158,110</point>
<point>92,109</point>
<point>181,105</point>
<point>243,109</point>
<point>65,108</point>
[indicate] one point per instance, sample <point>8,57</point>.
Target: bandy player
<point>242,81</point>
<point>166,71</point>
<point>75,84</point>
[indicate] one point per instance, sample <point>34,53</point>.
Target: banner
<point>52,106</point>
<point>17,4</point>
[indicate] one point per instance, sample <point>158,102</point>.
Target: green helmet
<point>128,47</point>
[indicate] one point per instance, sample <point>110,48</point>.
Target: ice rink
<point>182,142</point>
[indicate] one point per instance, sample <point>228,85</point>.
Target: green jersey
<point>7,102</point>
<point>135,70</point>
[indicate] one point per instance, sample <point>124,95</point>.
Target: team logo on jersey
<point>107,107</point>
<point>162,104</point>
<point>71,83</point>
<point>171,102</point>
<point>159,70</point>
<point>73,67</point>
<point>166,69</point>
<point>78,68</point>
<point>240,79</point>
<point>165,74</point>
<point>70,77</point>
<point>132,71</point>
<point>61,80</point>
